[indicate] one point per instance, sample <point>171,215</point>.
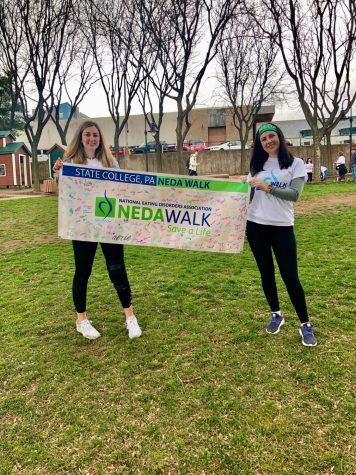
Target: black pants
<point>310,176</point>
<point>193,173</point>
<point>262,240</point>
<point>84,253</point>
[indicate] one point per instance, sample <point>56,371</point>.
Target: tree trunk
<point>35,168</point>
<point>329,158</point>
<point>159,152</point>
<point>244,160</point>
<point>317,155</point>
<point>116,141</point>
<point>179,132</point>
<point>62,135</point>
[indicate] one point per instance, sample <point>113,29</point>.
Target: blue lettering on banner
<point>193,219</point>
<point>109,175</point>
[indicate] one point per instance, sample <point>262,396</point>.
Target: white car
<point>231,145</point>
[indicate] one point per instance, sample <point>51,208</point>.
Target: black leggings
<point>262,240</point>
<point>84,253</point>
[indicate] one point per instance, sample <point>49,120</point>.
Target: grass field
<point>205,390</point>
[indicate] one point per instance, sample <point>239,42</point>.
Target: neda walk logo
<point>105,207</point>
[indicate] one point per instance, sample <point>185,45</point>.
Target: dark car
<point>171,147</point>
<point>150,148</point>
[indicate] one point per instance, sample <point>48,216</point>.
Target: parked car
<point>151,147</point>
<point>193,145</point>
<point>121,150</point>
<point>230,145</point>
<point>171,147</point>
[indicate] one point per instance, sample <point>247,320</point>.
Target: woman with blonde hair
<point>88,148</point>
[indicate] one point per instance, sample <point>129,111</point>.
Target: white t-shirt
<point>341,160</point>
<point>193,162</point>
<point>268,209</point>
<point>309,167</point>
<point>95,163</point>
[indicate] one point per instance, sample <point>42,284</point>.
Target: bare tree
<point>317,40</point>
<point>76,76</point>
<point>157,86</point>
<point>187,32</point>
<point>152,119</point>
<point>119,48</point>
<point>34,37</point>
<point>248,72</point>
<point>151,95</point>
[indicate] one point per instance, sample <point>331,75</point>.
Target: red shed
<point>15,167</point>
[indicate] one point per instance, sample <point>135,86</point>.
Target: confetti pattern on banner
<point>148,209</point>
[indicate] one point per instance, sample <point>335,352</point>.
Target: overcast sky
<point>95,104</point>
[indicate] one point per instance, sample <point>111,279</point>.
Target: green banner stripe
<point>201,184</point>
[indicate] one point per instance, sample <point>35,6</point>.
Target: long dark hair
<point>259,156</point>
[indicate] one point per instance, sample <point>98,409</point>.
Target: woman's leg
<point>114,256</point>
<point>258,236</point>
<point>84,253</point>
<point>285,249</point>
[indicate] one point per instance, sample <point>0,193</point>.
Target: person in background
<point>88,148</point>
<point>192,170</point>
<point>353,163</point>
<point>323,173</point>
<point>309,169</point>
<point>341,167</point>
<point>277,180</point>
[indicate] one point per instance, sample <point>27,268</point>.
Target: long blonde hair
<point>75,150</point>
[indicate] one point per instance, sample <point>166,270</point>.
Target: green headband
<point>265,128</point>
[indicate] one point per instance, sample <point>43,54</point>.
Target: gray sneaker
<point>306,331</point>
<point>275,324</point>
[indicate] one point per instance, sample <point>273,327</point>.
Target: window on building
<point>2,169</point>
<point>346,131</point>
<point>306,133</point>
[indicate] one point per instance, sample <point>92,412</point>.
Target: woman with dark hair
<point>88,148</point>
<point>341,167</point>
<point>309,169</point>
<point>277,180</point>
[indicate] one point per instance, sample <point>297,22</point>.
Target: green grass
<point>205,390</point>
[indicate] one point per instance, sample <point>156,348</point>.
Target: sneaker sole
<point>303,342</point>
<point>278,329</point>
<point>88,337</point>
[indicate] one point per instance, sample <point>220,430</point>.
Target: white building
<point>298,132</point>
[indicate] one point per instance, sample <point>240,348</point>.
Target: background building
<point>15,169</point>
<point>211,125</point>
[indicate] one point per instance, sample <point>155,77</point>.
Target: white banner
<point>149,209</point>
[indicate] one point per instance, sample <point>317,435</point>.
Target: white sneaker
<point>87,330</point>
<point>133,327</point>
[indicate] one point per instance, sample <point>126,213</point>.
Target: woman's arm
<point>289,194</point>
<point>57,165</point>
